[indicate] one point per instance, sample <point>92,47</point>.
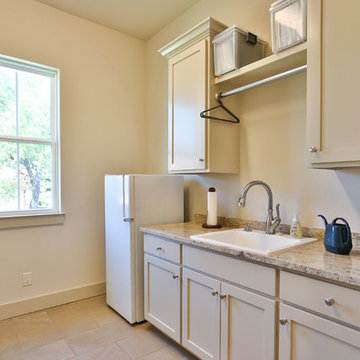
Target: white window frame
<point>54,140</point>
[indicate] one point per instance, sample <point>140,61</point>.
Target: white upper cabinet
<point>186,128</point>
<point>195,144</point>
<point>333,84</point>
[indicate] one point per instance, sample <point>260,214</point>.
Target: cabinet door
<point>333,84</point>
<point>187,98</point>
<point>201,315</point>
<point>162,295</point>
<point>247,325</point>
<point>305,336</point>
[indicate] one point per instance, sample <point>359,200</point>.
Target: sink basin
<point>253,241</point>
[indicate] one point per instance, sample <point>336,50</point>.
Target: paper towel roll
<point>212,207</point>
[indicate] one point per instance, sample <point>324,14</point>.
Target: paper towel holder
<point>206,226</point>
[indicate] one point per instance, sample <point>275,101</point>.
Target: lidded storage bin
<point>234,48</point>
<point>288,23</point>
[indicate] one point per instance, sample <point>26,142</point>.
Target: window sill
<point>30,220</point>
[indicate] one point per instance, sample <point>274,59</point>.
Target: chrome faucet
<point>271,222</point>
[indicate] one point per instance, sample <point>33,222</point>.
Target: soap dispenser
<point>296,229</point>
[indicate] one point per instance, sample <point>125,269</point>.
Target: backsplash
<point>283,228</point>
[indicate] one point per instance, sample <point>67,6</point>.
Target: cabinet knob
<point>175,276</point>
<point>222,296</point>
<point>283,321</point>
<point>158,248</point>
<point>214,292</point>
<point>313,149</point>
<point>201,159</point>
<point>329,301</point>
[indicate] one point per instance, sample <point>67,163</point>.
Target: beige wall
<point>102,131</point>
<point>272,135</point>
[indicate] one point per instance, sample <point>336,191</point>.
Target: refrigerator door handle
<point>128,198</point>
<point>125,219</point>
<point>123,196</point>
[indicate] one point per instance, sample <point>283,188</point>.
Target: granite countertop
<point>310,259</point>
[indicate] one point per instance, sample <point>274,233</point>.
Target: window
<point>29,138</point>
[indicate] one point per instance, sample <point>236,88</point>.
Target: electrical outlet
<point>27,278</point>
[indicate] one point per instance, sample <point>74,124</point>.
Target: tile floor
<point>83,330</point>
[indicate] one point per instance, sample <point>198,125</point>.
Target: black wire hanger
<point>222,106</point>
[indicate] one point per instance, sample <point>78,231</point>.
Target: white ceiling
<point>138,18</point>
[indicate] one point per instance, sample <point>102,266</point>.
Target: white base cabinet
<point>223,321</point>
<point>221,308</point>
<point>201,315</point>
<point>304,336</point>
<point>162,295</point>
<point>196,305</point>
<point>247,325</point>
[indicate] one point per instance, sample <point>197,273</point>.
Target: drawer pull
<point>329,301</point>
<point>283,321</point>
<point>214,292</point>
<point>222,296</point>
<point>175,276</point>
<point>158,248</point>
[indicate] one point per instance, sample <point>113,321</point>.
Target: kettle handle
<point>323,217</point>
<point>348,237</point>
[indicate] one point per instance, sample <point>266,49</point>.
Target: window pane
<point>8,177</point>
<point>7,101</point>
<point>36,185</point>
<point>34,101</point>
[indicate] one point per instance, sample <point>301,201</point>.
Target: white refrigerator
<point>132,201</point>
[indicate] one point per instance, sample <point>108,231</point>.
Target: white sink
<point>252,241</point>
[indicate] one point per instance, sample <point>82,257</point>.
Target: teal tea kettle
<point>337,236</point>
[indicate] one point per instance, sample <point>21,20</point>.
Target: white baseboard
<point>50,300</point>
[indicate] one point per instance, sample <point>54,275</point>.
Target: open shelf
<point>261,69</point>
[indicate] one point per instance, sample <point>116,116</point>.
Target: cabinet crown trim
<point>208,27</point>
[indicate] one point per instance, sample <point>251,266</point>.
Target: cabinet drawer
<point>163,248</point>
<point>314,295</point>
<point>253,276</point>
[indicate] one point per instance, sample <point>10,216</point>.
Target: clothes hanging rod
<point>262,82</point>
